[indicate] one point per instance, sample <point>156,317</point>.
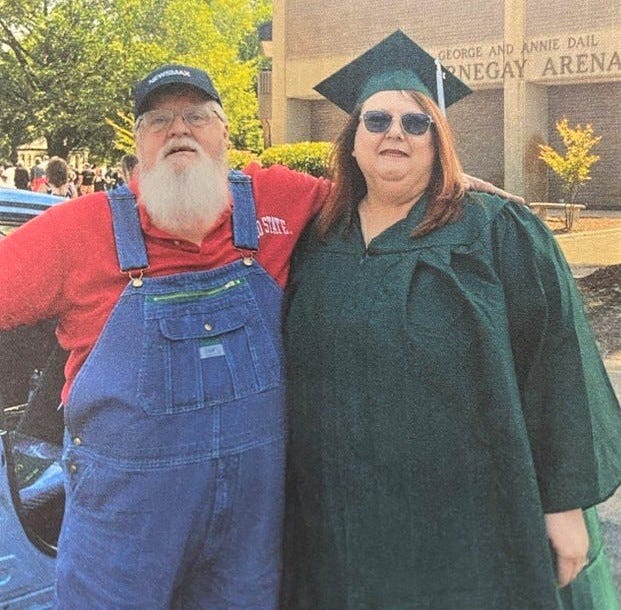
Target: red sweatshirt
<point>63,264</point>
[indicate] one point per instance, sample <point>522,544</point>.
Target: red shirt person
<point>65,265</point>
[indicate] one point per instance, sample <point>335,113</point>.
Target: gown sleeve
<point>571,413</point>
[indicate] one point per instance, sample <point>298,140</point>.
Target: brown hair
<point>445,188</point>
<point>56,172</point>
<point>128,164</point>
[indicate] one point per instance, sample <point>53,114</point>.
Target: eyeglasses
<point>414,123</point>
<point>155,121</point>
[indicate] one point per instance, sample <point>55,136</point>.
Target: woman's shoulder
<point>486,205</point>
<point>485,209</point>
<point>508,222</point>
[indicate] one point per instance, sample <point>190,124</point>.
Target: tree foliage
<point>68,65</point>
<point>123,132</point>
<point>309,157</point>
<point>574,167</point>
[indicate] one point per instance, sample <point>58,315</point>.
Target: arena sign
<point>584,56</point>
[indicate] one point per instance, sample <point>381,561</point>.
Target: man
<point>21,177</point>
<point>86,180</point>
<point>174,409</point>
<point>128,166</point>
<point>37,175</point>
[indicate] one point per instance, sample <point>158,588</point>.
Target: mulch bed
<point>601,291</point>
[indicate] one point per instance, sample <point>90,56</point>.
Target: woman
<point>99,181</point>
<point>450,415</point>
<point>57,179</point>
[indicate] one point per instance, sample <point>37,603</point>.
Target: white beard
<point>185,201</point>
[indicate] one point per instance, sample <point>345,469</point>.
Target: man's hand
<point>476,184</point>
<point>570,540</point>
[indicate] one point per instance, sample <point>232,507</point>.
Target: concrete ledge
<point>541,208</point>
<point>570,210</point>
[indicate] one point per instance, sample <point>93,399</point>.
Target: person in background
<point>73,177</point>
<point>9,174</point>
<point>21,177</point>
<point>37,175</point>
<point>57,179</point>
<point>451,421</point>
<point>129,163</point>
<point>99,181</point>
<point>85,180</point>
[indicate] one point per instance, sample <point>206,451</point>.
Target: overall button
<point>77,441</point>
<point>208,327</point>
<point>73,468</point>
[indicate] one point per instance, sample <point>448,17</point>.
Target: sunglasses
<point>414,123</point>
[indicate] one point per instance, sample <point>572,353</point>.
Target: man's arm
<point>476,184</point>
<point>31,272</point>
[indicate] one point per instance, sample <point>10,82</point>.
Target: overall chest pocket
<point>197,359</point>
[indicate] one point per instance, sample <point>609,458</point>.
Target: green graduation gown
<point>445,392</point>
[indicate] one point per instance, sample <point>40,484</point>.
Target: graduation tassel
<point>440,86</point>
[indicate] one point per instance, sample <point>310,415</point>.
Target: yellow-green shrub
<point>574,167</point>
<point>238,159</point>
<point>308,157</point>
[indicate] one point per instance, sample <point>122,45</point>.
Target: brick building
<point>529,63</point>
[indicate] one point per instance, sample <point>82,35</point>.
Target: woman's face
<point>394,156</point>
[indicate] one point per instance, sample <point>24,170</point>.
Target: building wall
<point>526,60</point>
<point>326,121</point>
<point>473,120</point>
<point>317,27</point>
<point>561,16</point>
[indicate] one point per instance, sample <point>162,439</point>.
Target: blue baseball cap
<point>170,74</point>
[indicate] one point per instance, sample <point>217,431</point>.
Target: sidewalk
<point>587,250</point>
<point>602,213</point>
<point>591,249</point>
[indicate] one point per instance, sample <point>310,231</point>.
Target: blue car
<point>18,206</point>
<point>31,489</point>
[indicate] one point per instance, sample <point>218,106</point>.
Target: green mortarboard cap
<point>396,63</point>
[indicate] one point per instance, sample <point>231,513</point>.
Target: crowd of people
<point>55,176</point>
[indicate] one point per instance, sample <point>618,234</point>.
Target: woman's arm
<point>476,184</point>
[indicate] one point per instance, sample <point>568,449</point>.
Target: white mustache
<point>182,143</point>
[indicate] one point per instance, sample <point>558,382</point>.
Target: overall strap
<point>245,232</point>
<point>130,247</point>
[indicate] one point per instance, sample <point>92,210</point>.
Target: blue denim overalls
<point>175,428</point>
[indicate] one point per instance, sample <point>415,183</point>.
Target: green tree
<point>574,167</point>
<point>221,37</point>
<point>65,68</point>
<point>123,131</point>
<point>66,65</point>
